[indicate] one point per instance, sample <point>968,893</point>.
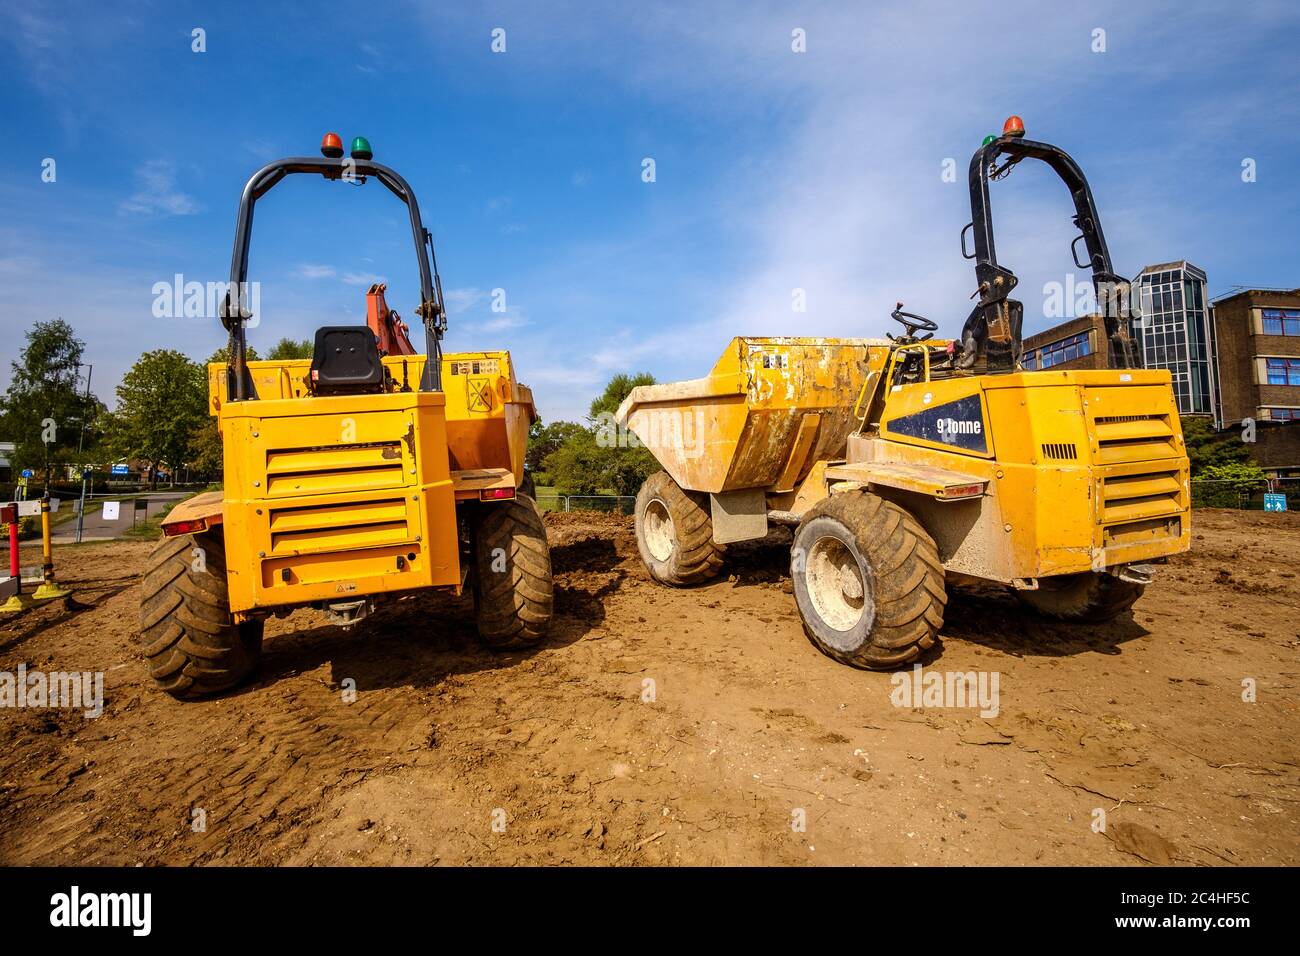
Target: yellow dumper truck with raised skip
<point>908,462</point>
<point>366,473</point>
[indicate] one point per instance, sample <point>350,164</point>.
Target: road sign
<point>141,504</point>
<point>28,473</point>
<point>110,510</point>
<point>121,470</point>
<point>1274,502</point>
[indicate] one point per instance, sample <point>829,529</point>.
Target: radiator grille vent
<point>1060,451</point>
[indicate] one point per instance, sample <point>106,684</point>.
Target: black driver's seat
<point>345,361</point>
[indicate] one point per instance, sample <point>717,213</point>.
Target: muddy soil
<point>678,727</point>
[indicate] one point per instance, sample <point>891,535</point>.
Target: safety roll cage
<point>995,281</point>
<point>234,310</point>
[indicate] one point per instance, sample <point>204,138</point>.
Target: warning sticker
<point>482,367</point>
<point>479,394</point>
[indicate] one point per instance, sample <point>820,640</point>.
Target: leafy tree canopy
<point>44,410</point>
<point>161,403</point>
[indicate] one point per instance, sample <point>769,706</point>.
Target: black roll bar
<point>995,281</point>
<point>235,311</point>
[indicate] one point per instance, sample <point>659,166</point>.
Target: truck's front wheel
<point>188,638</point>
<point>868,582</point>
<point>674,533</point>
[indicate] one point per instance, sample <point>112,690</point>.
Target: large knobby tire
<point>868,582</point>
<point>674,533</point>
<point>188,638</point>
<point>514,594</point>
<point>1086,597</point>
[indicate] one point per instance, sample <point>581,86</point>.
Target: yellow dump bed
<point>768,410</point>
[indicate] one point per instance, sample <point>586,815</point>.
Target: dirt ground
<point>677,727</point>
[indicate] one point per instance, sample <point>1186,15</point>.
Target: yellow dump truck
<point>366,473</point>
<point>908,461</point>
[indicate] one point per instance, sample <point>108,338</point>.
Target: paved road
<point>96,528</point>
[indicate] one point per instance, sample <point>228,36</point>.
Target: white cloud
<point>462,300</point>
<point>366,279</point>
<point>311,271</point>
<point>156,192</point>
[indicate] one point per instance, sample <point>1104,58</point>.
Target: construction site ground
<point>695,726</point>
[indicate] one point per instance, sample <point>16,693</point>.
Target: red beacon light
<point>1014,126</point>
<point>331,146</point>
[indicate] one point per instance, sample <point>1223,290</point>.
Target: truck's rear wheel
<point>868,582</point>
<point>514,594</point>
<point>1087,597</point>
<point>191,644</point>
<point>674,533</point>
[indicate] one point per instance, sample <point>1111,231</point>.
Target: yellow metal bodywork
<point>336,498</point>
<point>1066,471</point>
<point>770,408</point>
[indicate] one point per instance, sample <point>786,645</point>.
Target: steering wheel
<point>913,323</point>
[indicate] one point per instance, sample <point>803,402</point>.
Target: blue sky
<point>775,170</point>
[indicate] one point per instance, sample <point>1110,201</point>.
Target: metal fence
<point>1244,495</point>
<point>622,504</point>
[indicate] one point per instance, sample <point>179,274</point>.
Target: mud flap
<point>738,515</point>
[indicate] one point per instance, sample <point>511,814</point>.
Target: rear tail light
<point>185,527</point>
<point>495,494</point>
<point>963,491</point>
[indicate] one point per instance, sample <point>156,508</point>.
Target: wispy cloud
<point>156,192</point>
<point>312,271</point>
<point>365,279</point>
<point>462,300</point>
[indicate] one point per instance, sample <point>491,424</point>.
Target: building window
<point>1283,414</point>
<point>1058,352</point>
<point>1283,371</point>
<point>1282,322</point>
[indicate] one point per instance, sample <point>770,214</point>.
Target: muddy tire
<point>868,582</point>
<point>513,592</point>
<point>674,533</point>
<point>188,639</point>
<point>1085,597</point>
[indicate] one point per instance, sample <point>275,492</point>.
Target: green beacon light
<point>361,148</point>
<point>989,139</point>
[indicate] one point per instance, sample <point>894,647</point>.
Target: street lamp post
<point>81,438</point>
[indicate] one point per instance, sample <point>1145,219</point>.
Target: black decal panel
<point>959,423</point>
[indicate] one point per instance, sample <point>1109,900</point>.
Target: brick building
<point>1259,355</point>
<point>1258,332</point>
<point>1075,343</point>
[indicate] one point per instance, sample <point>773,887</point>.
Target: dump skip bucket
<point>770,408</point>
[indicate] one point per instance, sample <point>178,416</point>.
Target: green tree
<point>161,403</point>
<point>222,356</point>
<point>545,439</point>
<point>1225,485</point>
<point>1207,448</point>
<point>206,453</point>
<point>578,466</point>
<point>44,411</point>
<point>603,458</point>
<point>618,389</point>
<point>291,349</point>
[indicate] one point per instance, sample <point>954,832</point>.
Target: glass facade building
<point>1176,332</point>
